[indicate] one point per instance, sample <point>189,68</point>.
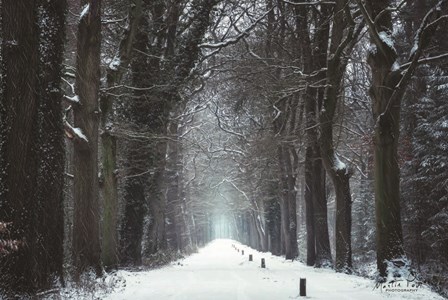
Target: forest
<point>134,132</point>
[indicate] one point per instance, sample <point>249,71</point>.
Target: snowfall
<point>220,272</point>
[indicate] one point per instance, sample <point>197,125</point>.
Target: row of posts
<point>263,265</point>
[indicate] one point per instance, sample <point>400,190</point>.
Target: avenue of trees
<point>133,132</point>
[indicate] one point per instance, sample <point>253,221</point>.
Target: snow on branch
<point>73,99</point>
<point>85,11</point>
<point>237,38</point>
<point>425,60</point>
<point>216,112</point>
<point>338,164</point>
<point>422,38</point>
<point>425,27</point>
<point>310,3</point>
<point>383,41</point>
<point>115,63</point>
<point>74,132</point>
<point>389,9</point>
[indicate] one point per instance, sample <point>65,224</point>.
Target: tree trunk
<point>387,90</point>
<point>292,206</point>
<point>337,170</point>
<point>309,207</point>
<point>156,239</point>
<point>18,136</point>
<point>273,224</point>
<point>52,147</point>
<point>108,140</point>
<point>284,126</point>
<point>137,168</point>
<point>314,58</point>
<point>174,226</point>
<point>323,250</point>
<point>132,226</point>
<point>86,238</point>
<point>386,170</point>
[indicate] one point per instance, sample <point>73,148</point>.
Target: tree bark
<point>309,208</point>
<point>386,170</point>
<point>86,231</point>
<point>51,140</point>
<point>338,172</point>
<point>387,90</point>
<point>19,137</point>
<point>314,58</point>
<point>108,140</point>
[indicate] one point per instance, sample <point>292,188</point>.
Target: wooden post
<point>250,257</point>
<point>263,264</point>
<point>303,287</point>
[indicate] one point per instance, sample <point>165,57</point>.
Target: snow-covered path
<point>218,272</point>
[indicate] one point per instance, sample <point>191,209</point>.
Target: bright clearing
<point>220,272</point>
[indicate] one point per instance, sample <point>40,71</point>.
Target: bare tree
<point>86,231</point>
<point>115,71</point>
<point>389,82</point>
<point>19,136</point>
<point>51,143</point>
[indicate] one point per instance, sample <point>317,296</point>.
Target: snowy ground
<point>218,272</point>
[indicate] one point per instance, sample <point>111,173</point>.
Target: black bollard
<point>263,264</point>
<point>250,257</point>
<point>303,287</point>
<point>242,252</point>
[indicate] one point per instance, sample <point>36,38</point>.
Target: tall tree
<point>314,54</point>
<point>158,78</point>
<point>86,231</point>
<point>115,72</point>
<point>18,135</point>
<point>339,50</point>
<point>389,82</point>
<point>51,143</point>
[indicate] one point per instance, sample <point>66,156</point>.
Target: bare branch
<point>232,41</point>
<point>309,3</point>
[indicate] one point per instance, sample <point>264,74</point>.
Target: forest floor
<point>220,272</point>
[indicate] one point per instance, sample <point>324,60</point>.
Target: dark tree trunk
<point>386,170</point>
<point>132,225</point>
<point>52,148</point>
<point>86,238</point>
<point>319,59</point>
<point>292,207</point>
<point>156,239</point>
<point>19,137</point>
<point>315,190</point>
<point>173,203</point>
<point>314,58</point>
<point>137,174</point>
<point>323,250</point>
<point>338,172</point>
<point>273,225</point>
<point>309,207</point>
<point>388,87</point>
<point>284,126</point>
<point>108,140</point>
